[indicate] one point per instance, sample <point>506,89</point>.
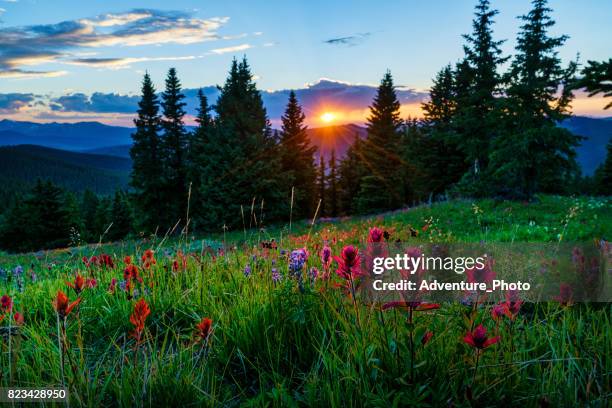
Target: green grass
<point>274,345</point>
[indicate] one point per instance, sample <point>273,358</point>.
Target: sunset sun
<point>328,117</point>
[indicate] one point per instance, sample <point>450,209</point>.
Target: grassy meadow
<point>278,339</point>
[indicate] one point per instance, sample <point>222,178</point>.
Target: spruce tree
<point>297,158</point>
<point>437,150</point>
<point>45,219</point>
<point>146,178</point>
<point>381,187</point>
<point>478,112</point>
<point>242,159</point>
<point>332,186</point>
<point>103,219</point>
<point>534,154</point>
<point>350,173</point>
<point>175,144</point>
<point>200,139</point>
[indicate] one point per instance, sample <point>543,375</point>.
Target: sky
<point>64,60</point>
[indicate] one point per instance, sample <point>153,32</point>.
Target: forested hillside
<point>21,166</point>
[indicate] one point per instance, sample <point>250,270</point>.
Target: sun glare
<point>328,117</point>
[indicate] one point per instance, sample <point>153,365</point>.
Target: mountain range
<point>92,155</point>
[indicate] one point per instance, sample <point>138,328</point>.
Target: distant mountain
<point>338,138</point>
<point>67,136</point>
<point>592,151</point>
<point>117,151</point>
<point>97,138</point>
<point>21,166</point>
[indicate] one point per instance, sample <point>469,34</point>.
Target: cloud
<point>120,63</point>
<point>348,41</point>
<point>13,102</point>
<point>21,74</point>
<point>98,102</point>
<point>325,94</point>
<point>235,48</point>
<point>38,44</point>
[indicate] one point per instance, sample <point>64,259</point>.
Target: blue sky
<point>58,48</point>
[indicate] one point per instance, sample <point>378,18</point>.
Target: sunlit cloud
<point>235,48</point>
<point>20,74</point>
<point>40,44</point>
<point>121,63</point>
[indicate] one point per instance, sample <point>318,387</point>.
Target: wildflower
<point>375,235</point>
<point>498,311</point>
<point>479,339</point>
<point>6,303</point>
<point>349,264</point>
<point>565,295</point>
<point>203,330</point>
<point>91,283</point>
<point>276,276</point>
<point>127,260</point>
<point>18,318</point>
<point>113,284</point>
<point>138,318</point>
<point>247,271</point>
<point>62,306</point>
<point>33,276</point>
<point>148,259</point>
<point>313,273</point>
<point>131,273</point>
<point>426,337</point>
<point>78,284</point>
<point>18,270</point>
<point>297,259</point>
<point>512,304</point>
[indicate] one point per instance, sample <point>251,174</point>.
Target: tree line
<point>490,129</point>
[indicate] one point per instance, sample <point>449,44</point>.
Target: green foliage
<point>275,345</point>
<point>381,189</point>
<point>174,144</point>
<point>297,158</point>
<point>46,218</point>
<point>146,153</point>
<point>242,162</point>
<point>597,78</point>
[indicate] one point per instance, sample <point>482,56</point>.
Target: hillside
<point>22,165</point>
<point>67,136</point>
<point>592,151</point>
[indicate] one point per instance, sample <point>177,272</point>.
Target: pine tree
<point>381,187</point>
<point>436,152</point>
<point>45,219</point>
<point>478,111</point>
<point>147,171</point>
<point>200,139</point>
<point>351,172</point>
<point>121,217</point>
<point>242,160</point>
<point>297,158</point>
<point>332,183</point>
<point>535,154</point>
<point>322,186</point>
<point>175,144</point>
